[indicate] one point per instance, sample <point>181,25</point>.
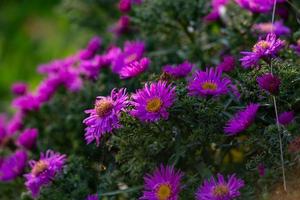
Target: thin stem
<point>280,144</point>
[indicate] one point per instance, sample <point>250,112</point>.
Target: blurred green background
<point>37,31</point>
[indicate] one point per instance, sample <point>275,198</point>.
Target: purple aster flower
<point>256,6</point>
<point>134,68</point>
<point>278,28</point>
<point>132,51</point>
<point>227,64</point>
<point>269,82</point>
<point>286,118</point>
<point>91,68</point>
<point>44,171</point>
<point>122,26</point>
<point>13,166</point>
<point>27,102</point>
<point>105,116</point>
<point>94,44</point>
<point>262,49</point>
<point>220,189</point>
<point>241,120</point>
<point>163,184</point>
<point>178,71</point>
<point>217,6</point>
<point>296,47</point>
<point>151,102</point>
<point>261,169</point>
<point>125,5</point>
<point>209,83</point>
<point>92,197</point>
<point>27,138</point>
<point>47,88</point>
<point>19,88</point>
<point>15,123</point>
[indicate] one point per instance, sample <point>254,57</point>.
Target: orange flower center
<point>209,86</point>
<point>261,44</point>
<point>103,107</point>
<point>220,190</point>
<point>39,167</point>
<point>153,105</point>
<point>163,192</point>
<point>131,58</point>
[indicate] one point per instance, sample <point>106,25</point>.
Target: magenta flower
<point>278,28</point>
<point>15,123</point>
<point>241,120</point>
<point>262,49</point>
<point>269,82</point>
<point>286,118</point>
<point>94,44</point>
<point>163,184</point>
<point>105,116</point>
<point>133,51</point>
<point>44,171</point>
<point>122,26</point>
<point>217,6</point>
<point>27,138</point>
<point>92,197</point>
<point>227,64</point>
<point>178,71</point>
<point>19,88</point>
<point>134,68</point>
<point>256,6</point>
<point>13,166</point>
<point>125,6</point>
<point>91,68</point>
<point>220,189</point>
<point>209,83</point>
<point>47,88</point>
<point>152,102</point>
<point>27,102</point>
<point>261,169</point>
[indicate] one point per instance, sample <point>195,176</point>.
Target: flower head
<point>227,64</point>
<point>286,118</point>
<point>217,6</point>
<point>27,102</point>
<point>241,120</point>
<point>267,48</point>
<point>220,189</point>
<point>104,117</point>
<point>44,171</point>
<point>151,102</point>
<point>121,26</point>
<point>269,82</point>
<point>94,44</point>
<point>92,197</point>
<point>278,28</point>
<point>27,138</point>
<point>209,83</point>
<point>13,165</point>
<point>134,68</point>
<point>163,184</point>
<point>256,6</point>
<point>19,88</point>
<point>178,71</point>
<point>125,5</point>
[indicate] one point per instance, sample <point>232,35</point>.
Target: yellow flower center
<point>220,190</point>
<point>209,86</point>
<point>103,107</point>
<point>163,192</point>
<point>153,105</point>
<point>39,167</point>
<point>130,58</point>
<point>261,44</point>
<point>298,42</point>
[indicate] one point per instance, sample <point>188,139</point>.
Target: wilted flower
<point>220,189</point>
<point>294,146</point>
<point>269,82</point>
<point>27,138</point>
<point>44,171</point>
<point>286,118</point>
<point>227,64</point>
<point>261,169</point>
<point>267,48</point>
<point>241,120</point>
<point>178,71</point>
<point>19,88</point>
<point>278,28</point>
<point>13,166</point>
<point>134,68</point>
<point>151,102</point>
<point>104,117</point>
<point>209,83</point>
<point>163,184</point>
<point>217,6</point>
